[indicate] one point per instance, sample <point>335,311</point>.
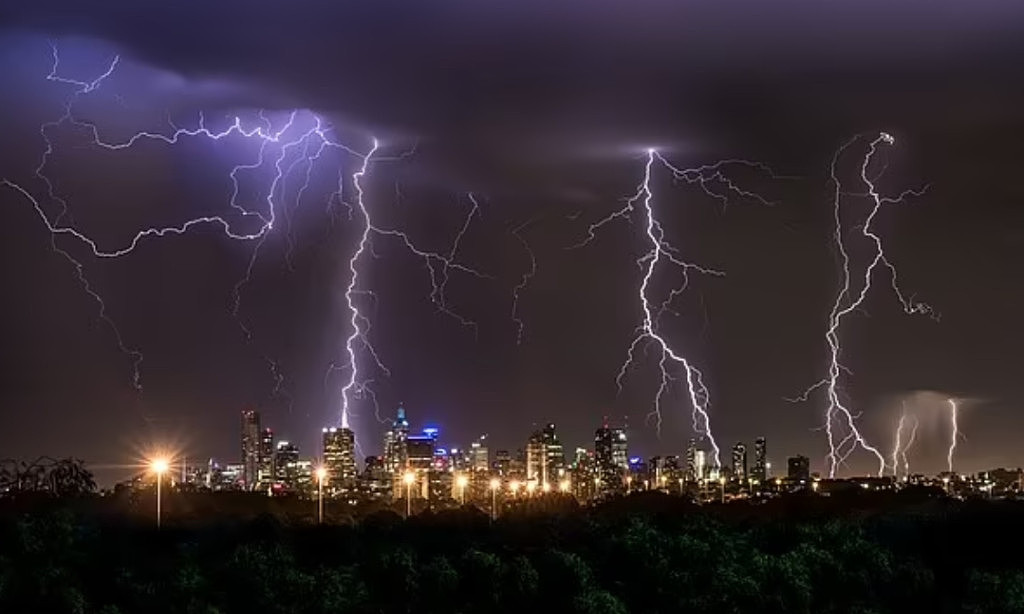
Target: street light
<point>159,467</point>
<point>409,478</point>
<point>513,486</point>
<point>546,488</point>
<point>495,485</point>
<point>564,486</point>
<point>462,481</point>
<point>321,475</point>
<point>531,486</point>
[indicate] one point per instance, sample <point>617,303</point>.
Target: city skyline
<point>335,252</point>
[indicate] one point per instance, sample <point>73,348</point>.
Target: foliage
<point>585,562</point>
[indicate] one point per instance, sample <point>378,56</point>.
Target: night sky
<point>542,111</point>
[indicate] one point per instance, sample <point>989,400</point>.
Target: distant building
<point>739,462</point>
<point>692,474</point>
<point>502,466</point>
<point>479,460</point>
<point>286,461</point>
<point>611,455</point>
<point>760,472</point>
<point>395,454</point>
<point>265,471</point>
<point>799,469</point>
<point>250,448</point>
<point>420,460</point>
<point>535,457</point>
<point>339,454</point>
<point>376,480</point>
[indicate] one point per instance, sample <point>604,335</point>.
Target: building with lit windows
<point>760,472</point>
<point>799,469</point>
<point>395,446</point>
<point>479,460</point>
<point>250,449</point>
<point>611,457</point>
<point>739,462</point>
<point>265,467</point>
<point>339,458</point>
<point>286,460</point>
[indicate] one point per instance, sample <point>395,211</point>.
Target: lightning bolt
<point>954,435</point>
<point>289,150</point>
<point>899,450</point>
<point>524,280</point>
<point>848,299</point>
<point>712,180</point>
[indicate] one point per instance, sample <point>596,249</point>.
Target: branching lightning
<point>290,150</point>
<point>671,363</point>
<point>849,299</point>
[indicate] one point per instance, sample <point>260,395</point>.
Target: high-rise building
<point>286,463</point>
<point>536,454</point>
<point>478,455</point>
<point>739,462</point>
<point>420,451</point>
<point>691,461</point>
<point>339,453</point>
<point>799,468</point>
<point>554,456</point>
<point>250,448</point>
<point>503,463</point>
<point>395,453</point>
<point>611,455</point>
<point>265,471</point>
<point>700,465</point>
<point>760,472</point>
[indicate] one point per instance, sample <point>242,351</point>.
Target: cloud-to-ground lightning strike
<point>954,434</point>
<point>300,143</point>
<point>849,299</point>
<point>523,280</point>
<point>899,449</point>
<point>660,251</point>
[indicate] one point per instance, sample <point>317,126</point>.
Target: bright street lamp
<point>321,475</point>
<point>159,466</point>
<point>564,486</point>
<point>531,486</point>
<point>495,485</point>
<point>513,486</point>
<point>409,478</point>
<point>546,487</point>
<point>462,481</point>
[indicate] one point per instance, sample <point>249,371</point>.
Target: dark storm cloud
<point>580,73</point>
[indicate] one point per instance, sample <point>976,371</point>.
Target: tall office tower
<point>739,462</point>
<point>700,464</point>
<point>420,452</point>
<point>536,457</point>
<point>799,469</point>
<point>395,453</point>
<point>553,468</point>
<point>286,462</point>
<point>691,461</point>
<point>760,472</point>
<point>503,463</point>
<point>265,470</point>
<point>250,448</point>
<point>611,455</point>
<point>339,451</point>
<point>478,455</point>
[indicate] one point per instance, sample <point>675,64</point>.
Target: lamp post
<point>159,467</point>
<point>495,485</point>
<point>321,475</point>
<point>409,478</point>
<point>461,482</point>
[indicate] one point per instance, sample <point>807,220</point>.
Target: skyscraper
<point>250,448</point>
<point>739,462</point>
<point>536,454</point>
<point>265,469</point>
<point>799,469</point>
<point>478,455</point>
<point>554,456</point>
<point>286,463</point>
<point>691,461</point>
<point>611,455</point>
<point>339,452</point>
<point>760,472</point>
<point>395,452</point>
